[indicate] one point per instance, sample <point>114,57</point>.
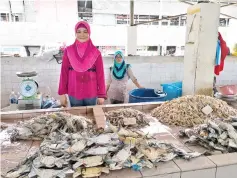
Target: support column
<point>131,12</point>
<point>131,45</point>
<point>200,48</point>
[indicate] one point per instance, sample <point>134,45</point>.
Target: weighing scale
<point>29,98</point>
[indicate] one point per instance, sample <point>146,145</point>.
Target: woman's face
<point>82,34</point>
<point>119,58</point>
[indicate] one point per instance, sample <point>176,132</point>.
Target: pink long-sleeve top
<point>82,85</point>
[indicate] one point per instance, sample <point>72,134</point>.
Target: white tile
<point>8,85</point>
<point>227,171</point>
<point>224,159</point>
<point>156,78</point>
<point>198,163</point>
<point>6,67</point>
<point>173,175</point>
<point>203,173</point>
<point>162,168</point>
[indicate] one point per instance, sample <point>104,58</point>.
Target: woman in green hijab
<point>120,73</point>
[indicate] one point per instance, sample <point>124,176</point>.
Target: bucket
<point>173,90</point>
<point>142,95</point>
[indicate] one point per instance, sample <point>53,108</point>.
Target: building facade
<point>36,23</point>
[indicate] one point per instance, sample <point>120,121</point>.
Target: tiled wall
<point>150,72</point>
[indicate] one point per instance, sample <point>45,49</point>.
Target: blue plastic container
<point>142,95</point>
<point>173,90</point>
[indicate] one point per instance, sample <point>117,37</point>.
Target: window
<point>155,23</point>
<point>122,22</point>
<point>4,17</point>
<point>141,21</point>
<point>222,22</point>
<point>160,51</point>
<point>122,19</point>
<point>146,17</point>
<point>84,4</point>
<point>110,50</point>
<point>136,19</point>
<point>87,17</point>
<point>152,48</point>
<point>85,11</point>
<point>170,50</point>
<point>164,22</point>
<point>183,20</point>
<point>141,48</point>
<point>228,22</point>
<point>174,21</point>
<point>17,17</point>
<point>152,17</point>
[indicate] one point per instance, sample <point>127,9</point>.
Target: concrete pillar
<point>200,48</point>
<point>160,12</point>
<point>131,12</point>
<point>131,45</point>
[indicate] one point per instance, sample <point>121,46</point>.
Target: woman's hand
<point>100,101</point>
<point>63,100</point>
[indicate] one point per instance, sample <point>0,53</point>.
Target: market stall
<point>133,140</point>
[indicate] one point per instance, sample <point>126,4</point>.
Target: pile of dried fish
<point>128,118</point>
<point>88,154</point>
<point>214,135</point>
<point>3,126</point>
<point>189,111</point>
<point>41,126</point>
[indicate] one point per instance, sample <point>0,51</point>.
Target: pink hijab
<point>82,56</point>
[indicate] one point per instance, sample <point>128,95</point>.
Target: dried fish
<point>233,119</point>
<point>89,162</point>
<point>153,153</point>
<point>94,171</point>
<point>77,147</point>
<point>48,173</point>
<point>97,151</point>
<point>187,111</point>
<point>230,129</point>
<point>214,126</point>
<point>48,161</point>
<point>128,117</point>
<point>232,144</point>
<point>41,126</point>
<point>22,169</point>
<point>122,155</point>
<point>224,135</point>
<point>167,151</point>
<point>3,126</point>
<point>217,136</point>
<point>77,173</point>
<point>102,139</point>
<point>72,144</point>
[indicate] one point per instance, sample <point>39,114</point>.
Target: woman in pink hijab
<point>82,72</point>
